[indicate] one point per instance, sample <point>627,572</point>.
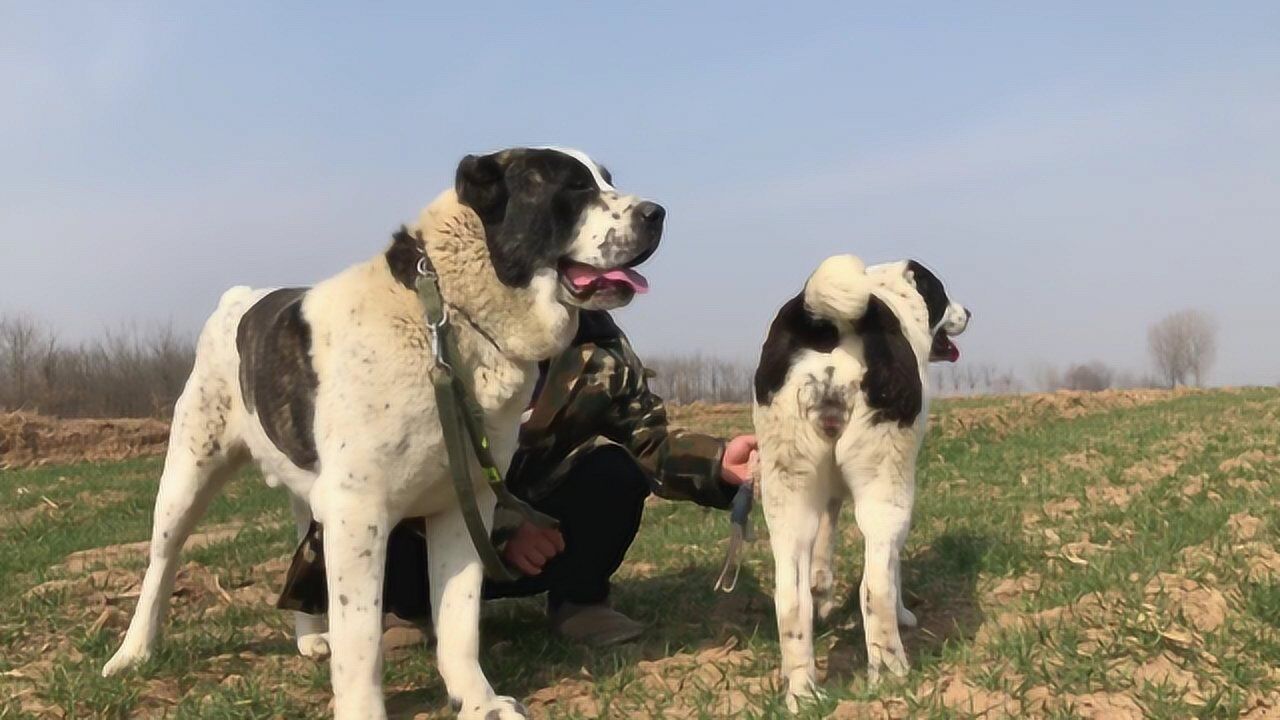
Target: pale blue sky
<point>1072,174</point>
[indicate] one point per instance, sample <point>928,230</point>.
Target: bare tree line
<point>138,373</point>
<point>1182,347</point>
<point>126,373</point>
<point>689,378</point>
<point>975,379</point>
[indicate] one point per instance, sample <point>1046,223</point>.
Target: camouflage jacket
<point>597,393</point>
<point>593,394</point>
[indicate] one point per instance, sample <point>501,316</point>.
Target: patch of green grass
<point>994,503</point>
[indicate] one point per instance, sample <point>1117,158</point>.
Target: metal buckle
<point>423,269</point>
<point>436,345</point>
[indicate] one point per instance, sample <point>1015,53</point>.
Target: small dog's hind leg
<point>883,512</point>
<point>906,618</point>
<point>824,548</point>
<point>793,506</point>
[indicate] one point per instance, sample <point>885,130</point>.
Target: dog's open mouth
<point>585,280</point>
<point>943,349</point>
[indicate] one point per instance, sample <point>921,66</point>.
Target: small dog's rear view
<point>840,410</point>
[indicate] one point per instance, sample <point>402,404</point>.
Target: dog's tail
<point>839,289</point>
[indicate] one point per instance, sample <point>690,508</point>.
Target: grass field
<point>1072,556</point>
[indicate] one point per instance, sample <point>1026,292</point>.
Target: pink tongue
<point>584,276</point>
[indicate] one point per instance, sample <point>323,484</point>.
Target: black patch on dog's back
<point>277,379</point>
<point>793,330</point>
<point>932,290</point>
<point>892,381</point>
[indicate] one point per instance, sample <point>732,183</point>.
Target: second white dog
<point>840,410</point>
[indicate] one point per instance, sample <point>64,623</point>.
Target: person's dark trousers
<point>599,505</point>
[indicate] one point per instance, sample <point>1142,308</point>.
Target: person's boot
<point>595,625</point>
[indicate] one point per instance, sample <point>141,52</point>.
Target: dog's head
<point>942,317</point>
<point>556,209</point>
<point>947,318</point>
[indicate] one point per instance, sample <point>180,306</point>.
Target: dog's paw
<point>889,657</point>
<point>906,618</point>
<point>823,590</point>
<point>497,708</point>
<point>802,690</point>
<point>824,606</point>
<point>314,646</point>
<point>128,656</point>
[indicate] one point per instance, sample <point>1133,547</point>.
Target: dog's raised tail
<point>839,289</point>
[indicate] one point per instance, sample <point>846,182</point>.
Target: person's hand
<point>531,547</point>
<point>735,468</point>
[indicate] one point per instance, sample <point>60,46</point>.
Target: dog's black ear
<point>931,289</point>
<point>892,380</point>
<point>481,185</point>
<point>519,226</point>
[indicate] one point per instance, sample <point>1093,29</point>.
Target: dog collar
<point>426,268</point>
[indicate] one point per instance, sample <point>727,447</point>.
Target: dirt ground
<point>28,439</point>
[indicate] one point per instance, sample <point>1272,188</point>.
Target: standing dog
<point>840,410</point>
<point>328,390</point>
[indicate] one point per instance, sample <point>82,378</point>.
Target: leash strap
<point>739,532</point>
<point>739,527</point>
<point>462,423</point>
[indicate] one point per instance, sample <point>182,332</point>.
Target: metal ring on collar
<point>424,269</point>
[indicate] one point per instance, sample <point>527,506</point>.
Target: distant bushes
<point>126,373</point>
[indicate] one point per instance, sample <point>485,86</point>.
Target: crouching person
<point>594,445</point>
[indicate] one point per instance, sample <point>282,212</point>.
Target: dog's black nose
<point>650,212</point>
<point>968,314</point>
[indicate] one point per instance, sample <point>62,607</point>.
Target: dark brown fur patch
<point>277,379</point>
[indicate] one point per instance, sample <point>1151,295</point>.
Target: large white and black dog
<point>329,391</point>
<point>840,410</point>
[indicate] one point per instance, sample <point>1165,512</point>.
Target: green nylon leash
<point>462,424</point>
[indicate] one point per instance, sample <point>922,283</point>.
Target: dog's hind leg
<point>199,461</point>
<point>793,506</point>
<point>455,576</point>
<point>883,493</point>
<point>824,548</point>
<point>311,631</point>
<point>906,618</point>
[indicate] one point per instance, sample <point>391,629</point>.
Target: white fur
<point>604,185</point>
<point>839,289</point>
<point>380,449</point>
<point>604,236</point>
<point>807,475</point>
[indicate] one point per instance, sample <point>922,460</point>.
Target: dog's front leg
<point>355,549</point>
<point>456,576</point>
